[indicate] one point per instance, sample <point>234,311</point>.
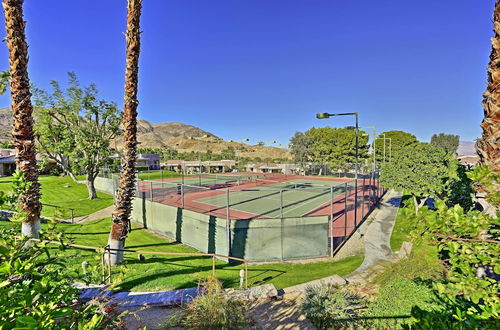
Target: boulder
<point>333,280</point>
<point>405,250</point>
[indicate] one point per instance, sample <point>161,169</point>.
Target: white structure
<point>195,166</point>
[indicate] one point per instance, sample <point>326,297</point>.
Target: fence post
<point>345,209</point>
<point>228,224</point>
<point>213,264</point>
<point>182,196</point>
<point>331,221</point>
<point>363,205</point>
<point>281,203</point>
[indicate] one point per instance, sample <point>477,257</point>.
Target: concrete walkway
<point>101,214</point>
<point>377,238</point>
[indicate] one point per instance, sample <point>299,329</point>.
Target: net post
<point>228,224</point>
<point>331,221</point>
<point>345,209</point>
<point>151,191</point>
<point>281,203</point>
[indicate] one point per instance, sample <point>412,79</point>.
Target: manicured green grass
<point>64,193</point>
<point>158,272</point>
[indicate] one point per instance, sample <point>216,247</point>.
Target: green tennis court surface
<point>288,199</point>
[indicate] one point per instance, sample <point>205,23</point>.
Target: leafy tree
<point>4,81</point>
<point>74,128</point>
<point>459,187</point>
<point>421,170</point>
<point>22,133</point>
<point>126,185</point>
<point>228,153</point>
<point>336,147</point>
<point>448,142</point>
<point>6,145</point>
<point>469,249</point>
<point>300,148</point>
<point>399,140</point>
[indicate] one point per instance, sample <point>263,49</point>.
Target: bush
<point>328,306</point>
<point>35,294</point>
<point>214,310</point>
<point>394,303</point>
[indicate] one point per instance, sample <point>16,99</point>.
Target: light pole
<point>325,115</point>
<point>390,147</point>
<point>373,145</point>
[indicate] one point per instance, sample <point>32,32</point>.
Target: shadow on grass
<point>167,260</point>
<point>191,270</point>
<point>69,233</point>
<point>156,244</point>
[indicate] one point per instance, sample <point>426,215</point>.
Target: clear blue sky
<point>261,69</point>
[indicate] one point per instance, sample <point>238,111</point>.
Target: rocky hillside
<point>5,124</point>
<point>187,138</point>
<point>466,148</point>
<point>182,137</point>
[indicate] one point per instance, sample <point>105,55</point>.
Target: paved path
<point>377,239</point>
<point>101,214</point>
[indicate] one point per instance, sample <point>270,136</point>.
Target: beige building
<point>195,166</point>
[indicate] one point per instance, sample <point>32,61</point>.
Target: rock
<point>405,250</point>
<point>333,280</point>
<point>256,292</point>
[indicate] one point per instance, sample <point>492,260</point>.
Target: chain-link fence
<point>296,216</point>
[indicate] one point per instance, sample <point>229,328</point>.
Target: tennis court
<point>294,198</point>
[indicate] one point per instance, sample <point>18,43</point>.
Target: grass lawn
<point>173,272</point>
<point>423,262</point>
<point>65,193</point>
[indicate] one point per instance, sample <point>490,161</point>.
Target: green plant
<point>469,246</point>
<point>459,188</point>
<point>328,306</point>
<point>420,170</point>
<point>212,309</point>
<point>486,181</point>
<point>35,295</point>
<point>395,301</point>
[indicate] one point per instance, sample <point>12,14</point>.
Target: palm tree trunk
<point>22,132</point>
<point>488,147</point>
<point>126,185</point>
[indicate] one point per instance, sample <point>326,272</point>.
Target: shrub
<point>328,306</point>
<point>214,310</point>
<point>394,303</point>
<point>35,294</point>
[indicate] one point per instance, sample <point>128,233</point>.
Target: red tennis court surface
<point>272,197</point>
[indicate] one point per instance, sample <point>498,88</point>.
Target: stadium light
<point>373,145</point>
<point>390,146</point>
<point>325,115</point>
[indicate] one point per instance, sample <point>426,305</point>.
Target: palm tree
<point>22,132</point>
<point>488,147</point>
<point>126,185</point>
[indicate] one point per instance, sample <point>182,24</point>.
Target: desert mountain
<point>178,136</point>
<point>466,148</point>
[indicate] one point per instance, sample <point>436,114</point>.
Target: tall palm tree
<point>126,185</point>
<point>22,132</point>
<point>488,147</point>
